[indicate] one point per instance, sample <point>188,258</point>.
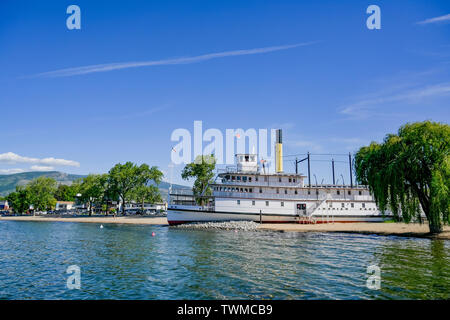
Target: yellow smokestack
<point>279,152</point>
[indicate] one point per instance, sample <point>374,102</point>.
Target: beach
<point>396,229</point>
<point>380,228</point>
<point>110,219</point>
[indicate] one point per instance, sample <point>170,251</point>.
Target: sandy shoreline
<point>127,220</point>
<point>397,229</point>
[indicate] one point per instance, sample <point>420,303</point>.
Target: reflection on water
<point>126,262</point>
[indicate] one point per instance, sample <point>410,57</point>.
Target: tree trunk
<point>90,209</point>
<point>123,206</point>
<point>434,221</point>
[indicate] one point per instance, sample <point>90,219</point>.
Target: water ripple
<point>126,262</point>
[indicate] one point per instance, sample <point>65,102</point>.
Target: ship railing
<point>182,192</point>
<point>227,169</point>
<point>257,195</point>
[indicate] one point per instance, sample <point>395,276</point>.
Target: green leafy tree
<point>92,190</point>
<point>41,192</point>
<point>150,174</point>
<point>124,178</point>
<point>145,193</point>
<point>202,169</point>
<point>19,200</point>
<point>410,170</point>
<point>66,193</point>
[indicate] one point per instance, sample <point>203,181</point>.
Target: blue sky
<point>344,87</point>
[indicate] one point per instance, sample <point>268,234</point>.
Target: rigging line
<point>327,161</point>
<point>294,155</point>
<point>316,154</point>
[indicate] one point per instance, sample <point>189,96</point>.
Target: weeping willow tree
<point>410,172</point>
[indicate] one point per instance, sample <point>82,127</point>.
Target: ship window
<point>342,205</point>
<point>279,179</point>
<point>349,192</point>
<point>246,158</point>
<point>242,190</point>
<point>253,203</point>
<point>352,205</point>
<point>278,190</point>
<point>260,190</point>
<point>296,192</point>
<point>290,180</point>
<point>238,178</point>
<point>256,178</point>
<point>250,190</point>
<point>331,205</point>
<point>245,190</point>
<point>282,203</point>
<point>238,201</point>
<point>293,180</point>
<point>363,205</point>
<point>285,191</point>
<point>233,178</point>
<point>360,192</point>
<point>267,203</point>
<point>317,191</point>
<point>249,179</point>
<point>244,179</point>
<point>338,192</point>
<point>309,192</point>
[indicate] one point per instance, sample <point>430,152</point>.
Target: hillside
<point>8,182</point>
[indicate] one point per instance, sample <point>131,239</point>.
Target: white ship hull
<point>180,216</point>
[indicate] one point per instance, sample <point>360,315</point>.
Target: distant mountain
<point>9,182</point>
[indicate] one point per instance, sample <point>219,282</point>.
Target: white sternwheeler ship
<point>245,192</point>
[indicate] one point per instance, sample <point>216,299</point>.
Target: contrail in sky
<point>186,60</point>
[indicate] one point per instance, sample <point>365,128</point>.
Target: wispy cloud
<point>11,171</point>
<point>42,168</point>
<point>441,19</point>
<point>12,158</point>
<point>186,60</point>
<point>133,115</point>
<point>364,108</point>
<point>32,168</point>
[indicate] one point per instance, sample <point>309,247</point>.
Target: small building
<point>64,205</point>
<point>4,205</point>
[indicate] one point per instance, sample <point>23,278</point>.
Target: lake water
<point>126,262</point>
